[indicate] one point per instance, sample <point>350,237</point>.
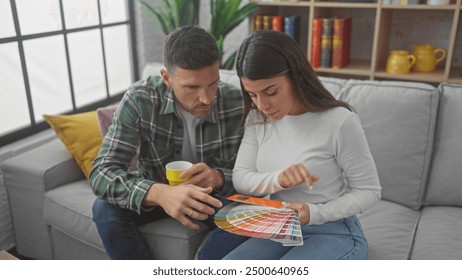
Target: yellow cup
<point>174,170</point>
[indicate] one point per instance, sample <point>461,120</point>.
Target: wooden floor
<point>6,256</point>
<point>15,254</point>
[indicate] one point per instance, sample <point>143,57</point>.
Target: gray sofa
<point>415,135</point>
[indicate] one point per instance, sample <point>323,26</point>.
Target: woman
<point>303,147</point>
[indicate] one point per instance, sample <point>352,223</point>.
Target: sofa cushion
<point>80,134</point>
<point>444,183</point>
<point>389,228</point>
<point>169,240</point>
<point>438,236</point>
<point>152,68</point>
<point>105,115</point>
<point>67,247</point>
<point>68,210</point>
<point>230,77</point>
<point>333,85</point>
<point>402,153</point>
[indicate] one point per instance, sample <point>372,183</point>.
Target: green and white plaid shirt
<point>147,117</point>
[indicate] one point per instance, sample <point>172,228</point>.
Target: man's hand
<point>184,203</point>
<point>204,176</point>
<point>295,175</point>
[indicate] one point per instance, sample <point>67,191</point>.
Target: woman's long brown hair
<point>267,53</point>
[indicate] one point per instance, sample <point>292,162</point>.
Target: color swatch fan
<point>278,224</point>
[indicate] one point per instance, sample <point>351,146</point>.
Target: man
<point>185,114</point>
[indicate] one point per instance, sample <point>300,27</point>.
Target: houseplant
<point>174,13</point>
<point>225,16</point>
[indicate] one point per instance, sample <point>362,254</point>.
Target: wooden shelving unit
<point>378,28</point>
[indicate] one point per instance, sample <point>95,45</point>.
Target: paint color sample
<point>278,224</point>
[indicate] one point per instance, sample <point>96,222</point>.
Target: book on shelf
<point>267,21</point>
<point>326,42</point>
<point>277,23</point>
<point>264,22</point>
<point>258,22</point>
<point>287,24</point>
<point>341,37</point>
<point>315,58</point>
<point>292,26</point>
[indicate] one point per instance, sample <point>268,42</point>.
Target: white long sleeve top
<point>330,144</point>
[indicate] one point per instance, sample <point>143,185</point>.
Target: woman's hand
<point>302,209</point>
<point>295,175</point>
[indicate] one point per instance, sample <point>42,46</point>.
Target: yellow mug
<point>427,57</point>
<point>173,171</point>
<point>400,62</point>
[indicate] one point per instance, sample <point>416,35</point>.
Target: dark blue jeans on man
<point>122,239</point>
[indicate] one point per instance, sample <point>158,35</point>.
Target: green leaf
<point>174,13</point>
<point>177,11</point>
<point>225,16</point>
<point>229,63</point>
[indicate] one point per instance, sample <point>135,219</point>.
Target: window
<point>61,56</point>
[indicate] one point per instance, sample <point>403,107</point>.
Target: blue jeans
<point>219,242</point>
<point>122,240</point>
<point>118,229</point>
<point>339,240</point>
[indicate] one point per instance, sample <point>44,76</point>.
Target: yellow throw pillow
<point>81,136</point>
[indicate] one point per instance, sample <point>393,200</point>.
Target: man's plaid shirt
<point>147,117</point>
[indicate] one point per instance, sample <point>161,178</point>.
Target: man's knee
<point>100,209</point>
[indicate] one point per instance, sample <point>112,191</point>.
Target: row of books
<point>330,42</point>
<point>288,24</point>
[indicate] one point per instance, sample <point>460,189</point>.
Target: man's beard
<point>201,111</point>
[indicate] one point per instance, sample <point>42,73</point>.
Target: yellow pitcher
<point>427,57</point>
<point>400,62</point>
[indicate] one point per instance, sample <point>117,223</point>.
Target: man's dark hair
<point>189,47</point>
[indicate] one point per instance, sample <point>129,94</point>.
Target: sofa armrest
<point>27,177</point>
<point>44,167</point>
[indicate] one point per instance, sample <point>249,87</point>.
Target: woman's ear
<point>165,77</point>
